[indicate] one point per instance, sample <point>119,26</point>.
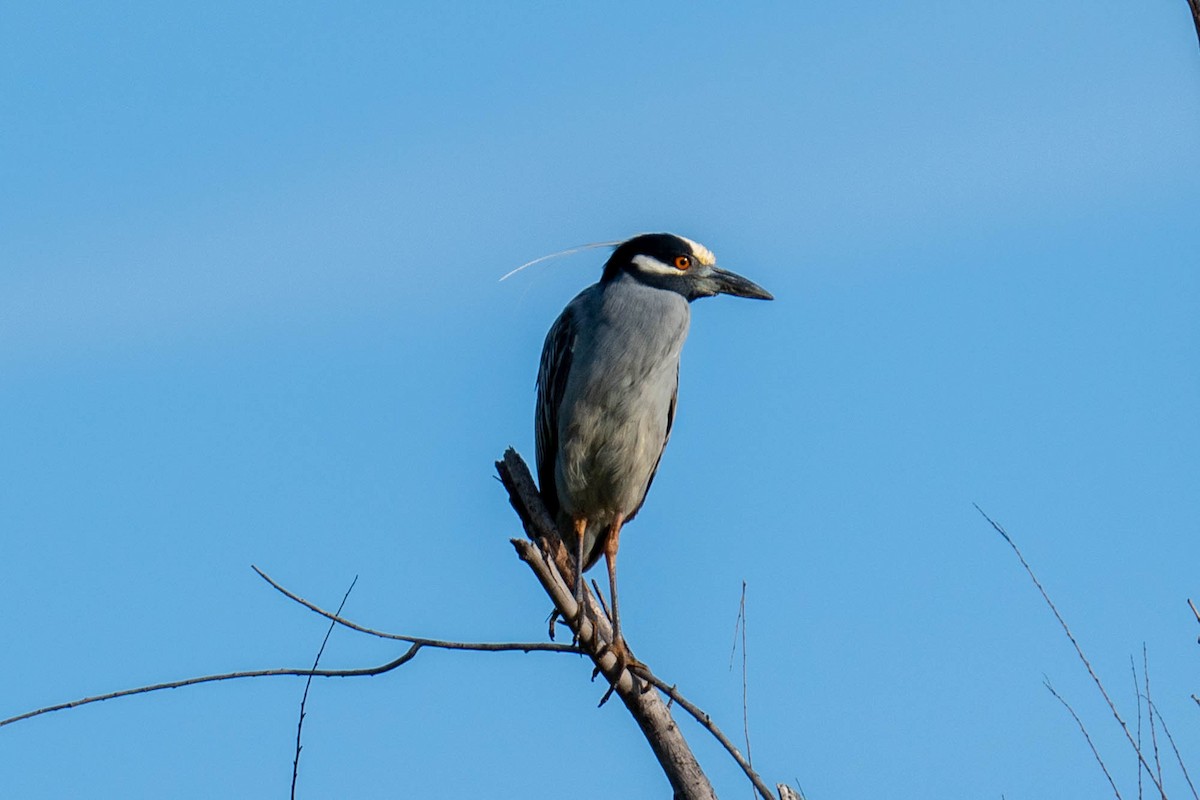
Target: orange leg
<point>611,543</point>
<point>580,530</point>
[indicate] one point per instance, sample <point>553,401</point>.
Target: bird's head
<point>677,264</point>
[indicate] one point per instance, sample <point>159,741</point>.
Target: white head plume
<point>566,252</point>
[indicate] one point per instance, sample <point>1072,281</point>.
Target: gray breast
<point>613,420</point>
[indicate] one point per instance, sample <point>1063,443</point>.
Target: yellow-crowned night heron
<point>606,392</point>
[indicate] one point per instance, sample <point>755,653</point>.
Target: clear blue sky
<point>249,313</point>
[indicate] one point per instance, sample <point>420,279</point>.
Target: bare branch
<point>544,562</point>
<point>548,561</point>
<point>1138,696</point>
<point>225,676</point>
<point>416,643</point>
<point>1151,714</point>
<point>443,644</point>
<point>308,685</point>
<point>1195,6</point>
<point>1178,756</point>
<point>1079,722</point>
<point>524,497</point>
<point>593,633</point>
<point>740,626</point>
<point>1078,650</point>
<point>701,716</point>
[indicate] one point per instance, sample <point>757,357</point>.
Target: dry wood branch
<point>1195,6</point>
<point>645,706</point>
<point>701,716</point>
<point>564,600</point>
<point>593,634</point>
<point>651,714</point>
<point>1078,650</point>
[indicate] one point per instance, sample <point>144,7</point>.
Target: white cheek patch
<point>702,253</point>
<point>652,266</point>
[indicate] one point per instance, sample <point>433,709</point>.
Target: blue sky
<point>249,314</point>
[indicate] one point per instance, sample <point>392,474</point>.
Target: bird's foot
<point>625,658</point>
<point>552,623</point>
<point>625,661</point>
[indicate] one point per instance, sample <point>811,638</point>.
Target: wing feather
<point>551,386</point>
<point>666,438</point>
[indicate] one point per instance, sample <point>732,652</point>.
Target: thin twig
<point>600,599</point>
<point>443,644</point>
<point>701,716</point>
<point>308,685</point>
<point>1078,650</point>
<point>737,627</point>
<point>1137,693</point>
<point>1192,606</point>
<point>740,625</point>
<point>225,676</point>
<point>1079,722</point>
<point>1150,709</point>
<point>1178,756</point>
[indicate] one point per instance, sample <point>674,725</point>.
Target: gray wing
<point>666,438</point>
<point>551,386</point>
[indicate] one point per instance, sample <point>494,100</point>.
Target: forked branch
<point>545,555</point>
<point>547,559</point>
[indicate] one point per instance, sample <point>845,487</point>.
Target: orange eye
<point>682,262</point>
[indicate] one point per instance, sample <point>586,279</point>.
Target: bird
<point>607,386</point>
